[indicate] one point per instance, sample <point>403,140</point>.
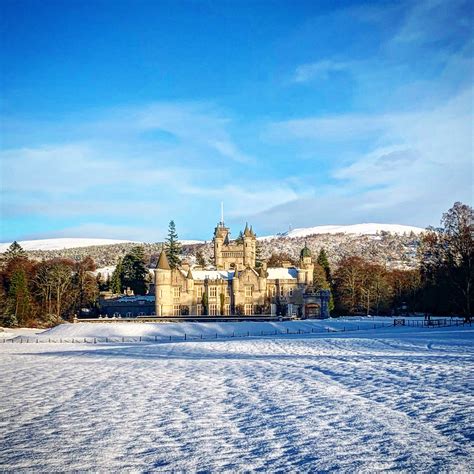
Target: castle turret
<point>221,235</point>
<point>162,283</point>
<point>305,272</point>
<point>250,246</point>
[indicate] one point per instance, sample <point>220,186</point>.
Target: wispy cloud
<point>320,70</point>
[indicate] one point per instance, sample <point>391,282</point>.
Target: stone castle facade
<point>236,285</point>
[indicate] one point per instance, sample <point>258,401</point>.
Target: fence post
<point>287,330</point>
<point>184,336</point>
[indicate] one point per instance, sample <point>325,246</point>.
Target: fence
<point>190,337</point>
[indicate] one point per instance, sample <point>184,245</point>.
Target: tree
<point>205,302</point>
<point>134,274</point>
<point>86,286</point>
<point>447,263</point>
<point>200,260</point>
<point>172,246</point>
<point>116,280</point>
<point>240,239</point>
<point>258,255</point>
<point>278,259</point>
<point>319,278</point>
<point>324,262</point>
<point>348,281</point>
<point>15,250</point>
<point>53,284</point>
<point>18,300</point>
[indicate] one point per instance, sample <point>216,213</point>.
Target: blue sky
<point>120,116</point>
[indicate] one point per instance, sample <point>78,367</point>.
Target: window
<point>176,310</point>
<point>290,292</point>
<point>213,291</point>
<point>227,290</point>
<point>199,291</point>
<point>274,291</point>
<point>248,291</point>
<point>227,309</point>
<point>176,291</point>
<point>213,309</point>
<point>282,291</point>
<point>248,309</point>
<point>199,309</point>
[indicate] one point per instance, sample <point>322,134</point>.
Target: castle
<point>236,285</point>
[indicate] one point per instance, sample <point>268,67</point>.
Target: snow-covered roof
<point>282,273</point>
<point>212,274</point>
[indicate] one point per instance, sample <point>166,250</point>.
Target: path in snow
<point>401,400</point>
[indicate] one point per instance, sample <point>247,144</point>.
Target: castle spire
<point>163,263</point>
<point>222,213</point>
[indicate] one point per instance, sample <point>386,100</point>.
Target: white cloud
<point>319,70</point>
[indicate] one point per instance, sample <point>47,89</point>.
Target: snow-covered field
<point>384,399</point>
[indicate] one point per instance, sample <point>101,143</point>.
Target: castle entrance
<point>312,310</point>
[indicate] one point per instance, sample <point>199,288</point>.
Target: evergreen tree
<point>200,260</point>
<point>18,300</point>
<point>258,255</point>
<point>172,246</point>
<point>15,251</point>
<point>134,274</point>
<point>324,262</point>
<point>116,280</point>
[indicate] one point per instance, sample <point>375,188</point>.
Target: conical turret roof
<point>189,276</point>
<point>247,231</point>
<point>163,263</point>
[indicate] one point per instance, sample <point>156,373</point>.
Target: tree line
<point>49,291</point>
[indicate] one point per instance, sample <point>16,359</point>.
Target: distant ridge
<point>72,243</point>
<point>357,229</point>
<point>62,243</point>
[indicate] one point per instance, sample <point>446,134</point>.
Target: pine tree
<point>15,251</point>
<point>18,301</point>
<point>258,255</point>
<point>134,273</point>
<point>324,262</point>
<point>240,239</point>
<point>172,246</point>
<point>116,280</point>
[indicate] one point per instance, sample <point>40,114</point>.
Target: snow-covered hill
<point>62,243</point>
<point>71,243</point>
<point>357,229</point>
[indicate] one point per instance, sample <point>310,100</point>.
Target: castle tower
<point>250,247</point>
<point>221,234</point>
<point>162,284</point>
<point>305,272</point>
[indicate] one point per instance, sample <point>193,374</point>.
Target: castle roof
<point>213,274</point>
<point>163,263</point>
<point>282,273</point>
<point>305,252</point>
<point>247,232</point>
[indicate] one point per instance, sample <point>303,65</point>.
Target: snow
<point>278,273</point>
<point>212,274</point>
<point>398,399</point>
<point>62,243</point>
<point>359,229</point>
